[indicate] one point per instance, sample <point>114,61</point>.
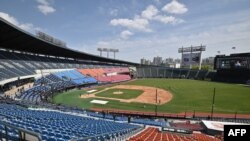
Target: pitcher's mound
<point>118,92</point>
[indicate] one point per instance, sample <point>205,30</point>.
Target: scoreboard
<point>232,62</point>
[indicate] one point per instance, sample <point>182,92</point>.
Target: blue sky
<point>138,28</point>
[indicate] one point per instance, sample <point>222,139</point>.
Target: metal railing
<point>23,134</point>
<point>118,136</point>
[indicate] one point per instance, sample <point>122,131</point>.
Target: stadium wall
<point>164,72</point>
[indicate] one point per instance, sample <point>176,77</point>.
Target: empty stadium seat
<point>53,125</point>
<point>108,75</point>
<point>153,134</point>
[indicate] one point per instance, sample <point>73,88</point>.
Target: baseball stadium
<point>73,95</point>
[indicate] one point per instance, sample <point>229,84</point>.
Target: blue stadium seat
<point>54,125</point>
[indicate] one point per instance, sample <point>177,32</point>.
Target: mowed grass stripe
<point>126,93</point>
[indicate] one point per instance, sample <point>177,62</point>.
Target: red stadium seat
<point>152,134</point>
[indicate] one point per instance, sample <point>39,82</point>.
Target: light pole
<point>212,111</point>
<point>100,49</point>
<point>235,116</point>
<point>233,48</point>
<point>114,51</point>
<point>156,100</point>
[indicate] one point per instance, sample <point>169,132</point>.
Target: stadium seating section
<point>14,65</point>
<point>153,134</point>
<point>72,78</point>
<point>55,82</point>
<point>108,75</point>
<point>58,126</point>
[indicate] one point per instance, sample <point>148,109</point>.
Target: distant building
<point>177,65</point>
<point>173,65</point>
<point>208,61</point>
<point>169,60</point>
<point>177,60</point>
<point>148,62</point>
<point>157,60</point>
<point>145,61</point>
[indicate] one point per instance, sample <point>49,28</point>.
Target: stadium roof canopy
<point>14,38</point>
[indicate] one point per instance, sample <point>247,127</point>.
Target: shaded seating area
<point>58,126</point>
<point>15,65</point>
<point>53,82</point>
<point>65,79</point>
<point>34,94</point>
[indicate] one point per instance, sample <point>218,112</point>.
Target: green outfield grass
<point>127,94</point>
<point>188,95</point>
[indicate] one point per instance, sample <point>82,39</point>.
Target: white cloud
<point>25,26</point>
<point>9,18</point>
<point>216,38</point>
<point>43,2</point>
<point>113,12</point>
<point>165,19</point>
<point>217,35</point>
<point>175,7</point>
<point>125,34</point>
<point>149,12</point>
<point>142,22</point>
<point>152,13</point>
<point>137,23</point>
<point>45,7</point>
<point>168,19</point>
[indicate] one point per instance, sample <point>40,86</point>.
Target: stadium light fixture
<point>100,49</point>
<point>107,50</point>
<point>213,100</point>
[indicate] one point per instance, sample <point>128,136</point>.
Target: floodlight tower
<point>100,49</point>
<point>106,50</point>
<point>114,51</point>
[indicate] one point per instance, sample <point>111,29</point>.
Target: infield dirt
<point>148,96</point>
